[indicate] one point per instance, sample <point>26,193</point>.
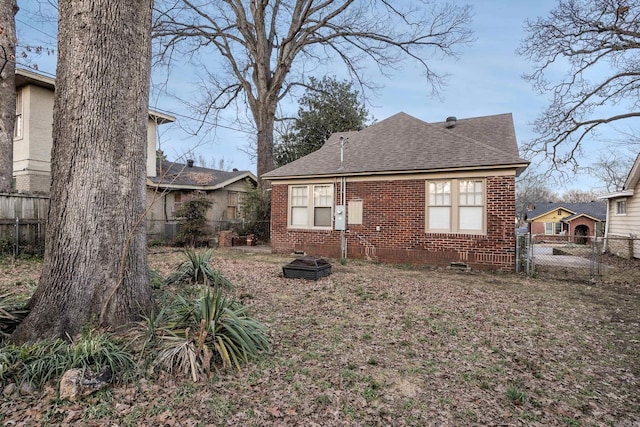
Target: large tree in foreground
<point>598,43</point>
<point>258,50</point>
<point>8,9</point>
<point>95,266</point>
<point>327,106</point>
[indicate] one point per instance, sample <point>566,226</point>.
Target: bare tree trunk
<point>265,120</point>
<point>8,9</point>
<point>95,266</point>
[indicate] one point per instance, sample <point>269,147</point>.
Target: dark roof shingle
<point>402,143</point>
<point>171,173</point>
<point>596,209</point>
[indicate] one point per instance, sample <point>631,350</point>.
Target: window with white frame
<point>456,206</point>
<point>621,207</point>
<point>17,129</point>
<point>311,206</point>
<point>552,228</point>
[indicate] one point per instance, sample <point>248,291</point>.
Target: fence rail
<point>22,223</point>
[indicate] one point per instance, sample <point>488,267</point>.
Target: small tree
<point>192,219</point>
<point>256,207</point>
<point>327,106</point>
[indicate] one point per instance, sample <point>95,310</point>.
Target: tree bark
<point>265,120</point>
<point>95,266</point>
<point>8,9</point>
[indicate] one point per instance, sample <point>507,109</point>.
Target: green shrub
<point>192,219</point>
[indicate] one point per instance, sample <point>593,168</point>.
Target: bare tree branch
<point>598,42</point>
<point>266,47</point>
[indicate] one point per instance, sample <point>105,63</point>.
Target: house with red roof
<point>404,191</point>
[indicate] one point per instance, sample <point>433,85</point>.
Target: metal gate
<point>560,259</point>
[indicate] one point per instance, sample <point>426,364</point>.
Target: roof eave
<point>338,174</point>
<point>617,194</point>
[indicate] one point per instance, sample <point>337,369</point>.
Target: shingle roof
<point>170,173</point>
<point>593,209</point>
<point>402,143</point>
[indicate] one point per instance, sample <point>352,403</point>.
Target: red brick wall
<point>398,208</point>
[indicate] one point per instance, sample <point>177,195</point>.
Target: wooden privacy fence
<point>22,223</point>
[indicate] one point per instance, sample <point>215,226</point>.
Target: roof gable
<point>634,175</point>
<point>402,143</point>
<point>596,210</point>
<point>171,174</point>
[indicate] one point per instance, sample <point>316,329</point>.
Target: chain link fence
<point>170,231</point>
<point>593,259</point>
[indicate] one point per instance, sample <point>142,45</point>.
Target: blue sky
<point>485,80</point>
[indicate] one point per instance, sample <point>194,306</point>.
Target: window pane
<point>471,193</point>
<point>322,195</point>
<point>298,216</point>
<point>440,193</point>
<point>298,196</point>
<point>322,217</point>
<point>471,218</point>
<point>439,218</point>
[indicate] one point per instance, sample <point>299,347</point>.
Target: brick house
<point>573,222</point>
<point>414,192</point>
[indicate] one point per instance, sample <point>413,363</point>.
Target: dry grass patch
<point>383,345</point>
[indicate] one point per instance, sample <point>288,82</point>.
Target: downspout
<point>606,229</point>
<point>164,202</point>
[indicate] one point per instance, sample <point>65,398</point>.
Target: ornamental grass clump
<point>210,332</point>
<point>37,363</point>
<point>197,269</point>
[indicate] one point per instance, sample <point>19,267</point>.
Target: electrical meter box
<point>341,218</point>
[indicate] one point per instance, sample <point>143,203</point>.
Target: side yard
<point>389,345</point>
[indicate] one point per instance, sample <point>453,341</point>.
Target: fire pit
<point>307,267</point>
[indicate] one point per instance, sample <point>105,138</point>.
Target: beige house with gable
<point>623,216</point>
<point>33,137</point>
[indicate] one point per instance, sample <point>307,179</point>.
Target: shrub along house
<point>176,183</point>
<point>413,192</point>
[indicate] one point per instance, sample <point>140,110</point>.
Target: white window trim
<point>554,229</point>
<point>455,207</point>
<point>310,206</point>
<point>626,207</point>
<point>18,131</point>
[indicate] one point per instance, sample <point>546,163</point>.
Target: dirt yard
<point>382,345</point>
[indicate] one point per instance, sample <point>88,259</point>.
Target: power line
<point>55,38</point>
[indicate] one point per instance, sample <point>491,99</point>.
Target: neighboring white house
<point>623,216</point>
<point>33,133</point>
<point>168,184</point>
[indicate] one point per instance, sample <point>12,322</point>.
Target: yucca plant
<point>198,270</point>
<point>214,330</point>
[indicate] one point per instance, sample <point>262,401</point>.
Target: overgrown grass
<point>37,363</point>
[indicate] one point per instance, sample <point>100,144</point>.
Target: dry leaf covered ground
<point>389,345</point>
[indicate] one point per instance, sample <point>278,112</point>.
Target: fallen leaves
<point>379,345</point>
